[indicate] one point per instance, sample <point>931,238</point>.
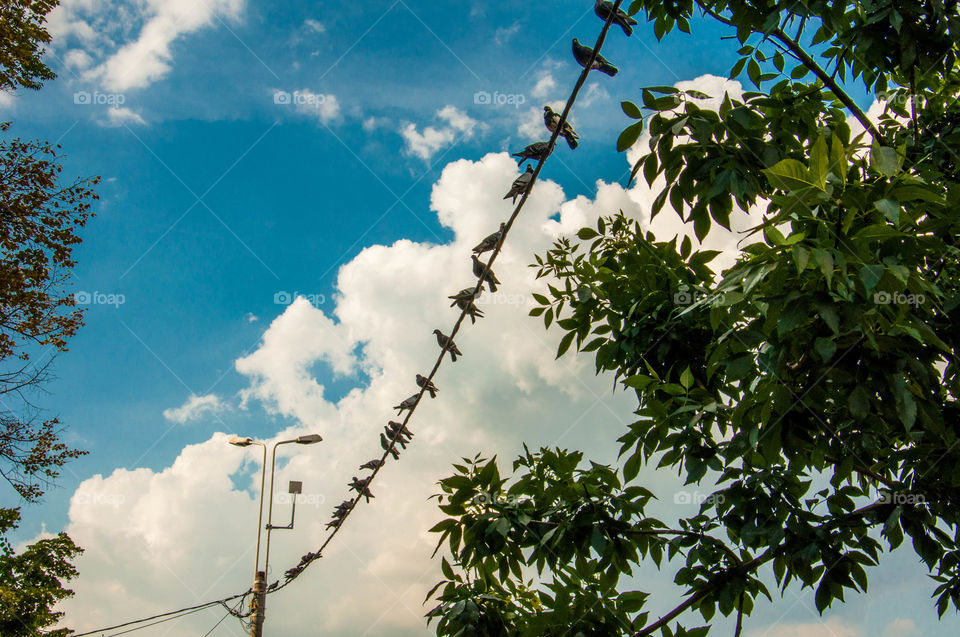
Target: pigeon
<point>409,403</point>
<point>478,270</point>
<point>360,486</point>
<point>393,427</point>
<point>273,586</point>
<point>373,464</point>
<point>520,184</point>
<point>386,447</point>
<point>533,152</point>
<point>583,53</point>
<point>464,300</point>
<point>446,342</point>
<point>427,384</point>
<point>551,118</point>
<point>293,572</point>
<point>309,557</point>
<point>603,9</point>
<point>491,241</point>
<point>389,437</point>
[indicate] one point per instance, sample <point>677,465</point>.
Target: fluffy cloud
<point>545,86</point>
<point>829,628</point>
<point>122,116</point>
<point>424,145</point>
<point>132,41</point>
<point>195,408</point>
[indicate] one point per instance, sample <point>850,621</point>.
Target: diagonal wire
<point>463,313</point>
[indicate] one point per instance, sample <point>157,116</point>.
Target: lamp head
<point>240,441</point>
<point>309,439</point>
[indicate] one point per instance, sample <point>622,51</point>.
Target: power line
<point>170,615</point>
<point>463,313</point>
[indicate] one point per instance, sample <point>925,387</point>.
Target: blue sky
<point>216,199</point>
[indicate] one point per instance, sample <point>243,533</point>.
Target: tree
<point>39,220</point>
<point>812,387</point>
<point>23,35</point>
<point>30,582</point>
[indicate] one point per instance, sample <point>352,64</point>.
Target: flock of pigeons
<point>396,433</point>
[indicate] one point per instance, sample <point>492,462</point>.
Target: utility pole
<point>258,605</point>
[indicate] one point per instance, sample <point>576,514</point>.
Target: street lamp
<point>260,577</point>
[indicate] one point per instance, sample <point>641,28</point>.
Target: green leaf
<point>586,233</point>
<point>871,275</point>
<point>631,110</point>
<point>790,175</point>
<point>629,136</point>
<point>565,343</point>
<point>825,348</point>
<point>858,402</point>
<point>890,210</point>
<point>820,162</point>
<point>686,378</point>
<point>884,160</point>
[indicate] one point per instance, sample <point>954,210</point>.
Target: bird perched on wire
<point>445,341</point>
<point>393,427</point>
<point>409,403</point>
<point>464,300</point>
<point>427,384</point>
<point>603,9</point>
<point>386,447</point>
<point>309,557</point>
<point>520,184</point>
<point>290,573</point>
<point>360,486</point>
<point>489,277</point>
<point>551,118</point>
<point>490,241</point>
<point>582,54</point>
<point>373,464</point>
<point>386,439</point>
<point>533,152</point>
<point>273,586</point>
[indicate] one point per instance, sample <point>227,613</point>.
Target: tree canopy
<point>811,388</point>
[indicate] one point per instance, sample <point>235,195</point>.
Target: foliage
<point>23,33</point>
<point>39,218</point>
<point>30,582</point>
<point>813,385</point>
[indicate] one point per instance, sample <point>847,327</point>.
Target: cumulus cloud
<point>314,25</point>
<point>132,41</point>
<point>425,144</point>
<point>121,116</point>
<point>323,107</point>
<point>195,408</point>
<point>545,86</point>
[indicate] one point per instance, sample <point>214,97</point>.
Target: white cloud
<point>195,408</point>
<point>77,59</point>
<point>373,123</point>
<point>901,627</point>
<point>133,41</point>
<point>545,86</point>
<point>424,145</point>
<point>315,25</point>
<point>120,116</point>
<point>7,102</point>
<point>503,34</point>
<point>323,107</point>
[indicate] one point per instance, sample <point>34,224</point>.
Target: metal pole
<point>258,604</point>
<point>263,478</point>
<point>273,466</point>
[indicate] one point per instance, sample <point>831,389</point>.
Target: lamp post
<point>258,604</point>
